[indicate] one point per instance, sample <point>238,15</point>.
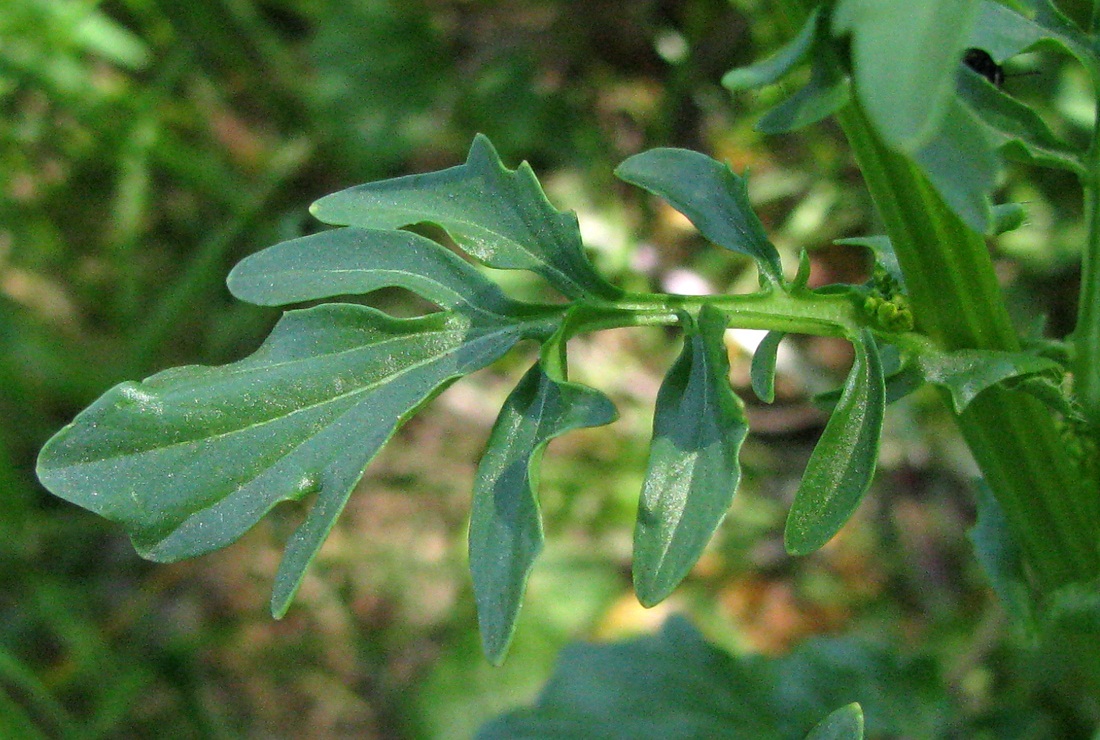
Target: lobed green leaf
<point>190,458</point>
<point>1000,556</point>
<point>711,196</point>
<point>357,261</point>
<point>693,469</point>
<point>505,525</point>
<point>842,464</point>
<point>499,216</point>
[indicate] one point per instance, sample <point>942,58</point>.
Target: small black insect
<point>980,61</point>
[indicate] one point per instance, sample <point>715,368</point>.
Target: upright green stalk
<point>956,301</point>
<point>1087,333</point>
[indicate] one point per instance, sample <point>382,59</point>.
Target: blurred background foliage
<point>147,145</point>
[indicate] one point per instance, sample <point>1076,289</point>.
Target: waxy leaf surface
<point>843,462</point>
<point>693,470</point>
<point>711,196</point>
<point>189,459</point>
<point>499,216</point>
<point>505,524</point>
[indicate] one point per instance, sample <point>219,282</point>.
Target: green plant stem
<point>799,312</point>
<point>1086,338</point>
<point>956,300</point>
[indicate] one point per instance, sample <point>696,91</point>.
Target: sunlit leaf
<point>189,459</point>
<point>843,462</point>
<point>711,196</point>
<point>505,525</point>
<point>693,470</point>
<point>497,215</point>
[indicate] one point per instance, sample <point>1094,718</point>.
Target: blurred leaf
<point>905,57</point>
<point>1008,217</point>
<point>845,723</point>
<point>961,163</point>
<point>359,261</point>
<point>842,465</point>
<point>505,525</point>
<point>15,722</point>
<point>1000,556</point>
<point>826,92</point>
<point>676,685</point>
<point>762,371</point>
<point>711,196</point>
<point>190,458</point>
<point>497,215</point>
<point>1003,32</point>
<point>779,64</point>
<point>672,684</point>
<point>693,467</point>
<point>1015,127</point>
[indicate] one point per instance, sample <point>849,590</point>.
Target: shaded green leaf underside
<point>499,216</point>
<point>693,469</point>
<point>505,524</point>
<point>189,459</point>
